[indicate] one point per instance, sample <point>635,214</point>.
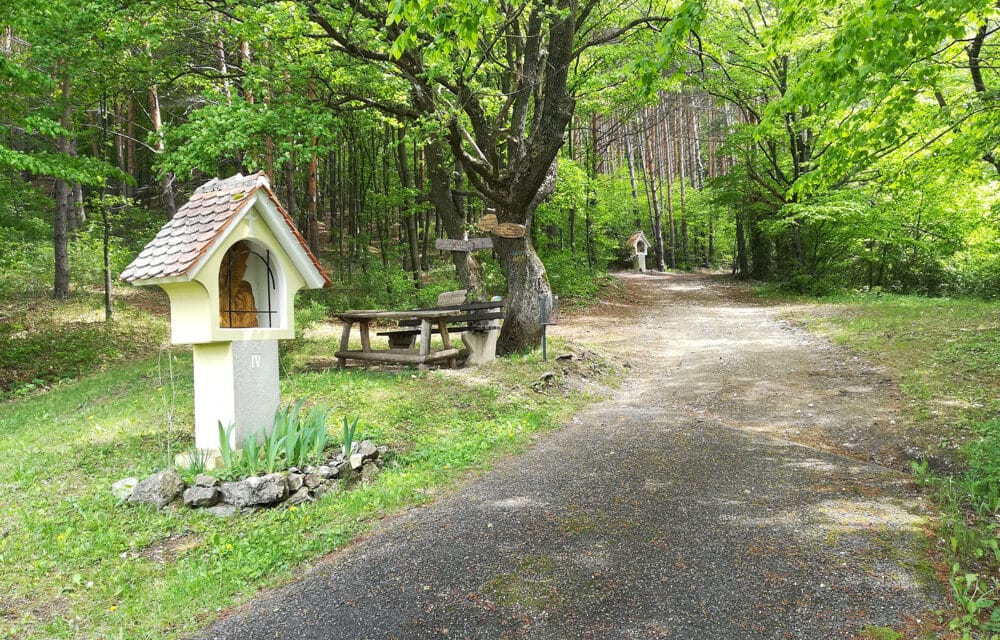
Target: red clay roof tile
<point>184,239</point>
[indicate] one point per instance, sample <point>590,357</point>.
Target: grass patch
<point>45,342</point>
<point>880,633</point>
<point>78,565</point>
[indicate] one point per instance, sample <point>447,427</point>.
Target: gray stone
<point>159,489</point>
<point>255,491</point>
<point>325,488</point>
<point>294,481</point>
<point>255,391</point>
<point>564,356</point>
<point>482,346</point>
<point>357,460</point>
<point>326,471</point>
<point>343,467</point>
<point>313,480</point>
<point>200,496</point>
<point>123,488</point>
<point>370,471</point>
<point>205,480</point>
<point>223,510</point>
<point>368,450</point>
<point>300,496</point>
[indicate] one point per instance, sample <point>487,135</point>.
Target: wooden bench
<point>474,316</point>
<point>478,322</point>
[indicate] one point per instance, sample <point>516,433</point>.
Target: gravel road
<point>709,498</point>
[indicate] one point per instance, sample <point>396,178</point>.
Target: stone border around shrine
<point>287,488</point>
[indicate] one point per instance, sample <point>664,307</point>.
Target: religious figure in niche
<point>236,304</point>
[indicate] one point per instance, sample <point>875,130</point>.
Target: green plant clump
<point>296,439</point>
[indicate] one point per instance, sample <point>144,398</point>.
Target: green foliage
<point>45,343</point>
<point>981,482</point>
<point>350,430</point>
<point>296,439</point>
<point>977,597</point>
<point>879,633</point>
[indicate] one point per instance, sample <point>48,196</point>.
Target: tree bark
<point>409,214</point>
<point>167,202</point>
<point>438,175</point>
<point>527,283</point>
<point>64,198</point>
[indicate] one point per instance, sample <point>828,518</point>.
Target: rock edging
<point>291,487</point>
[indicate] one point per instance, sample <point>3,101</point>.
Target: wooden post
<point>345,342</point>
<point>425,336</point>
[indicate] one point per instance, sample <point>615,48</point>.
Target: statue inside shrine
<point>236,304</point>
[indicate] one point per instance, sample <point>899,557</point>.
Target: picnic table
<point>427,319</point>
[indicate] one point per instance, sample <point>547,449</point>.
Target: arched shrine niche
<point>251,288</point>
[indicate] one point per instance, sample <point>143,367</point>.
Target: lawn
<point>75,563</point>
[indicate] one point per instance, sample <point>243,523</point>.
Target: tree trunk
<point>654,203</point>
<point>130,165</point>
<point>681,178</point>
<point>467,268</point>
<point>60,239</point>
<point>64,199</point>
<point>741,267</point>
<point>312,202</point>
<point>167,203</point>
<point>527,284</point>
<point>630,160</point>
<point>409,213</point>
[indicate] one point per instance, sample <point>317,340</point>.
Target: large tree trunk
<point>467,268</point>
<point>527,283</point>
<point>527,286</point>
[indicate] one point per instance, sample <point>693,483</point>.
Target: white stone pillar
<point>640,262</point>
<point>234,383</point>
<point>482,346</point>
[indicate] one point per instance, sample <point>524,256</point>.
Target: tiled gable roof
<point>635,237</point>
<point>182,242</point>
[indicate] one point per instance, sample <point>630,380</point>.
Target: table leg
<point>345,342</point>
<point>366,340</point>
<point>425,337</point>
<point>446,340</point>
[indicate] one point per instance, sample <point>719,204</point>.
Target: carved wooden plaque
<point>472,244</point>
<point>488,222</point>
<point>510,230</point>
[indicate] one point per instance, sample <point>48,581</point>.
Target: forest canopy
<point>821,144</point>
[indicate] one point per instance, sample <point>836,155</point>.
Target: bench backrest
<point>472,312</point>
<point>448,298</point>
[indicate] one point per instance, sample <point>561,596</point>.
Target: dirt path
<point>701,501</point>
<point>700,345</point>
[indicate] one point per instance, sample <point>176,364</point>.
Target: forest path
<point>703,500</point>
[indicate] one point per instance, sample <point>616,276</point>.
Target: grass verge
<point>946,355</point>
<point>76,564</point>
